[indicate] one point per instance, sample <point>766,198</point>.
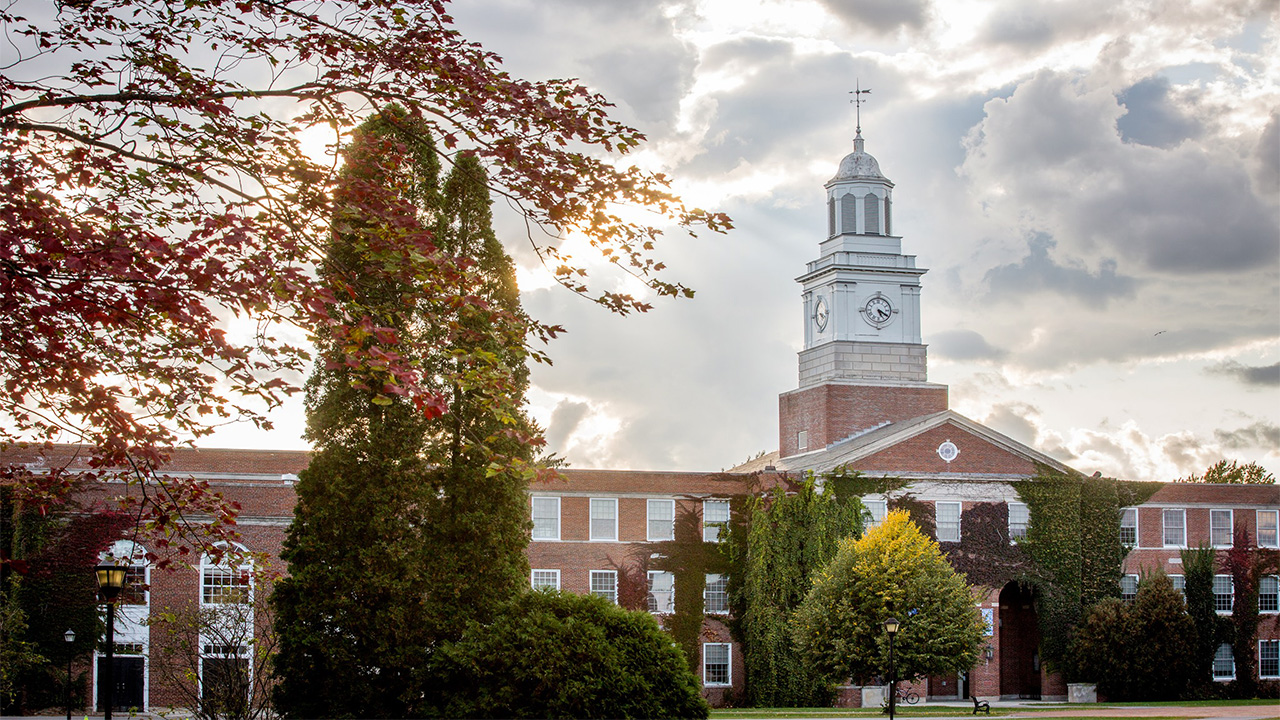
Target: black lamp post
<point>70,637</point>
<point>110,581</point>
<point>891,629</point>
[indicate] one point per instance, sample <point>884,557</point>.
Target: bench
<point>979,705</point>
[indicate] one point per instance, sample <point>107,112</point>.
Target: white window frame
<point>1129,580</point>
<point>1274,580</point>
<point>1231,585</point>
<point>717,527</point>
<point>1179,584</point>
<point>1214,529</point>
<point>1214,667</point>
<point>533,508</point>
<point>728,663</point>
<point>1023,526</point>
<point>1276,645</point>
<point>1165,527</point>
<point>959,522</point>
<point>1124,513</point>
<point>211,572</point>
<point>608,525</point>
<point>802,441</point>
<point>871,518</point>
<point>533,578</point>
<point>706,593</point>
<point>1274,540</point>
<point>650,520</point>
<point>606,576</point>
<point>662,602</point>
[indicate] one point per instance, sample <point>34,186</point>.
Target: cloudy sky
<point>1094,186</point>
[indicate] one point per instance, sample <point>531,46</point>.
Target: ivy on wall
<point>1198,566</point>
<point>1073,544</point>
<point>984,554</point>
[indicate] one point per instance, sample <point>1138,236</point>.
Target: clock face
<point>820,313</point>
<point>878,311</point>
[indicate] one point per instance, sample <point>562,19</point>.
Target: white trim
<point>533,503</point>
<point>937,524</point>
<point>706,591</point>
<point>728,682</point>
<point>649,519</point>
<point>1232,584</point>
<point>1230,527</point>
<point>533,574</point>
<point>1275,514</point>
<point>721,526</point>
<point>1276,580</point>
<point>1126,596</point>
<point>1164,527</point>
<point>1213,668</point>
<point>1277,646</point>
<point>591,519</point>
<point>591,579</point>
<point>661,605</point>
<point>1137,536</point>
<point>1026,523</point>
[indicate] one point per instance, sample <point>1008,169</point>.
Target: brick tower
<point>863,364</point>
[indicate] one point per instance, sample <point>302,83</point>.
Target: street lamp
<point>110,581</point>
<point>70,637</point>
<point>891,629</point>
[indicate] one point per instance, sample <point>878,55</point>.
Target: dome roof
<point>858,164</point>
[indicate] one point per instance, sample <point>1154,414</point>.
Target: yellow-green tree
<point>894,570</point>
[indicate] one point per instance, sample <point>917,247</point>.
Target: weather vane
<point>857,102</point>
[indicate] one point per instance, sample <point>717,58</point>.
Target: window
<point>1268,530</point>
<point>831,217</point>
<point>662,519</point>
<point>848,210</point>
<point>662,594</point>
<point>1224,594</point>
<point>802,441</point>
<point>715,520</point>
<point>875,513</point>
<point>1179,584</point>
<point>871,214</point>
<point>1129,526</point>
<point>605,584</point>
<point>134,591</point>
<point>1269,594</point>
<point>1269,658</point>
<point>604,518</point>
<point>888,216</point>
<point>1224,664</point>
<point>1220,528</point>
<point>716,666</point>
<point>224,678</point>
<point>223,586</point>
<point>715,598</point>
<point>948,521</point>
<point>545,580</point>
<point>1175,528</point>
<point>546,518</point>
<point>1018,518</point>
<point>1128,587</point>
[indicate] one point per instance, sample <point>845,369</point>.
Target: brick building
<point>863,403</point>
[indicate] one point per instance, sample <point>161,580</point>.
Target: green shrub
<point>557,655</point>
<point>1139,651</point>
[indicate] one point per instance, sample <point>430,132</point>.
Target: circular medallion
<point>878,311</point>
<point>820,313</point>
<point>948,451</point>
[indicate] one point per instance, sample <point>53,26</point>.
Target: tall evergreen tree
<point>411,520</point>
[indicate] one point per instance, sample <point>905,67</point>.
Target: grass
<point>907,712</point>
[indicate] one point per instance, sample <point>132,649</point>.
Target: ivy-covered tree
<point>1246,564</point>
<point>894,570</point>
<point>1138,651</point>
<point>782,540</point>
<point>1198,566</point>
<point>408,524</point>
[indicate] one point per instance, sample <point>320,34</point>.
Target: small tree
<point>217,658</point>
<point>1231,473</point>
<point>1198,566</point>
<point>1143,651</point>
<point>892,571</point>
<point>555,654</point>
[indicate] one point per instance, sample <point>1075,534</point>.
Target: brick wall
<point>835,411</point>
<point>920,454</point>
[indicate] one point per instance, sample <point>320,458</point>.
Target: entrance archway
<point>1019,643</point>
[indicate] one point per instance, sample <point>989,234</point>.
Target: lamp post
<point>891,629</point>
<point>110,580</point>
<point>70,637</point>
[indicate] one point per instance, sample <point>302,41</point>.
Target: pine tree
<point>411,520</point>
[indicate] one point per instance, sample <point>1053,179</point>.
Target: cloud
<point>1051,159</point>
<point>1261,376</point>
<point>1038,273</point>
<point>1017,420</point>
<point>1152,118</point>
<point>565,419</point>
<point>1260,434</point>
<point>883,16</point>
<point>963,345</point>
<point>1028,25</point>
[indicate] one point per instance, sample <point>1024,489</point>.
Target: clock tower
<point>863,364</point>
